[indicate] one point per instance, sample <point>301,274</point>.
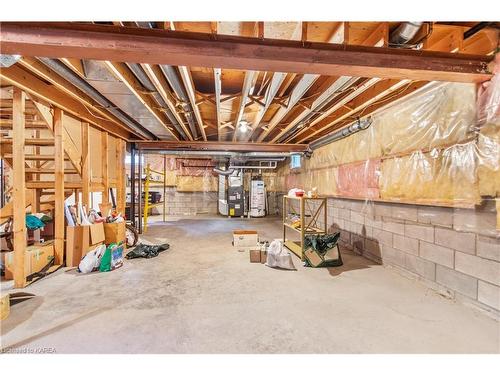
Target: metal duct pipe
<point>87,88</point>
<point>227,172</point>
<point>404,33</point>
<point>475,29</point>
<point>225,154</point>
<point>146,82</point>
<point>178,87</point>
<point>351,129</point>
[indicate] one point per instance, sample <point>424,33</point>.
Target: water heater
<point>257,198</point>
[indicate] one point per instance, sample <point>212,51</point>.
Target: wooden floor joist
<point>154,46</point>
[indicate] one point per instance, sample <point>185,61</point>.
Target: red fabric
<point>359,179</point>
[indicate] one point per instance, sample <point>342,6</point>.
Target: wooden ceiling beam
<point>155,46</point>
<point>26,81</point>
<point>219,146</point>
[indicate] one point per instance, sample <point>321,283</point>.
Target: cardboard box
<point>245,238</point>
<point>36,258</point>
<point>80,240</point>
<point>254,255</point>
<point>114,233</point>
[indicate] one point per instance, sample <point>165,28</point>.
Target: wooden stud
<point>59,187</point>
<point>19,187</point>
<point>86,165</point>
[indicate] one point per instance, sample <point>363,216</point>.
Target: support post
<point>19,188</point>
<point>146,197</point>
<point>139,221</point>
<point>105,205</point>
<point>121,174</point>
<point>133,153</point>
<point>59,187</point>
<point>85,165</point>
<point>164,187</point>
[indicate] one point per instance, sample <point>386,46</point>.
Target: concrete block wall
<point>189,203</point>
<point>454,251</point>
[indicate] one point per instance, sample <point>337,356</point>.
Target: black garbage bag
<point>146,251</point>
<point>322,250</point>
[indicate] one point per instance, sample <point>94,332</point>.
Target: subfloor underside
<point>202,296</point>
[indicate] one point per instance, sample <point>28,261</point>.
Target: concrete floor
<point>202,296</point>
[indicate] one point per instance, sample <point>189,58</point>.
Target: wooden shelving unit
<point>308,221</point>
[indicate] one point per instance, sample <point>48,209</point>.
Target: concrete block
<point>420,232</point>
<point>406,244</point>
<point>437,254</point>
<point>382,236</point>
<point>341,203</point>
<point>489,294</point>
<point>357,242</point>
<point>383,209</point>
<point>484,269</point>
<point>373,247</point>
<point>393,227</point>
<point>392,256</point>
<point>461,241</point>
<point>345,236</point>
<point>420,266</point>
<point>357,206</point>
<point>488,247</point>
<point>441,216</point>
<point>405,212</point>
<point>357,217</point>
<point>457,281</point>
<point>357,229</point>
<point>373,221</point>
<point>342,213</point>
<point>476,221</point>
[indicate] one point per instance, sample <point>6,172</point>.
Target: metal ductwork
<point>222,172</point>
<point>404,33</point>
<point>180,91</point>
<point>8,60</point>
<point>148,85</point>
<point>83,85</point>
<point>351,129</point>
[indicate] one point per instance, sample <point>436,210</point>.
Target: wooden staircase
<point>39,154</point>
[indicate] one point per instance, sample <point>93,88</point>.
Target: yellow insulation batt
<point>196,183</point>
<point>489,160</point>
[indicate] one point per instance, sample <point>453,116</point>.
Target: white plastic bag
<point>278,256</point>
<point>92,259</point>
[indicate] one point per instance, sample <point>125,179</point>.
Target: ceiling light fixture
<point>243,126</point>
